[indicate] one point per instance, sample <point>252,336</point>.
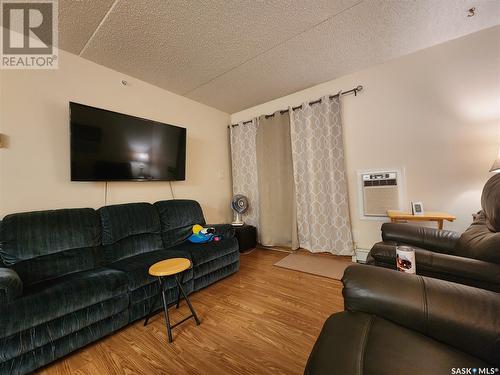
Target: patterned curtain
<point>244,168</point>
<point>320,179</point>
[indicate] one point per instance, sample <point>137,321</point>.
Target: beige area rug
<point>316,264</point>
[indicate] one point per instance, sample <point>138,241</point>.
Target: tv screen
<point>111,146</point>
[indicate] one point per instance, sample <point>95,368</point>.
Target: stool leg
<point>179,292</point>
<point>151,309</point>
<point>188,302</point>
<point>165,310</point>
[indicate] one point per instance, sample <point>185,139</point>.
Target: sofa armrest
<point>467,271</point>
<point>383,254</point>
<point>442,241</point>
<point>224,230</point>
<point>458,315</point>
<point>11,285</point>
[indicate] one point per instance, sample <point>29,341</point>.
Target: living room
<point>232,187</point>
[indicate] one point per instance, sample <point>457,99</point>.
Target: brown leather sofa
<point>471,258</point>
<point>396,323</point>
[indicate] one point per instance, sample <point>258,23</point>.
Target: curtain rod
<point>351,91</point>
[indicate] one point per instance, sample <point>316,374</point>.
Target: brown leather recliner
<point>471,258</point>
<point>397,323</point>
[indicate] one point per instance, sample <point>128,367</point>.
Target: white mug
<point>405,259</point>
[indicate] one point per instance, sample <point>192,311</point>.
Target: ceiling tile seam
<point>98,26</point>
<point>272,48</point>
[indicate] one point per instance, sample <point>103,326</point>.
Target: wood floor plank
<point>261,320</point>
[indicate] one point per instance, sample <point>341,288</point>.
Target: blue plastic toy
<point>203,235</point>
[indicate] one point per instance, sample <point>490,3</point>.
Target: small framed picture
<point>417,208</point>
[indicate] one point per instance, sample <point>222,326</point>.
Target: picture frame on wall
<point>417,208</point>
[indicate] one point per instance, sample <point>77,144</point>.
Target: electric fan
<point>240,205</point>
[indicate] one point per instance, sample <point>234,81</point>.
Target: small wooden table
<point>171,267</point>
<point>439,217</point>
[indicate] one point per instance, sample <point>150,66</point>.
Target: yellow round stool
<point>165,268</point>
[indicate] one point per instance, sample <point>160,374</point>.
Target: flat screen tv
<point>111,146</point>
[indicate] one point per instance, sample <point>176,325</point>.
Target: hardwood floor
<point>262,320</point>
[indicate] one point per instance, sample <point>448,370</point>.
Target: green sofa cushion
<point>206,252</point>
<point>32,234</point>
<point>52,299</point>
<point>177,218</point>
<point>130,229</point>
<point>44,245</point>
<point>50,266</point>
<point>124,220</point>
<point>136,270</point>
<point>41,356</point>
<point>11,285</point>
<point>35,337</point>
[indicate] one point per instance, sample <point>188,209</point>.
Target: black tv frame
<point>152,122</point>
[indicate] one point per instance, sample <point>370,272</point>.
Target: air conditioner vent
<point>380,191</point>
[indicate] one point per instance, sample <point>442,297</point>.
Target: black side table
<point>246,236</point>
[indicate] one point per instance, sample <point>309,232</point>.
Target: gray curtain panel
<point>277,208</point>
<point>244,168</point>
<point>320,178</point>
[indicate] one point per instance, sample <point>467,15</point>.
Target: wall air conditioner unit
<point>380,191</point>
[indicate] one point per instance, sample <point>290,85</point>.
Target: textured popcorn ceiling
<point>234,54</point>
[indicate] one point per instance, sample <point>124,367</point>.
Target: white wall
<point>35,170</point>
<point>435,113</point>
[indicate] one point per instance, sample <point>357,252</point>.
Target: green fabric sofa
<point>69,277</point>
